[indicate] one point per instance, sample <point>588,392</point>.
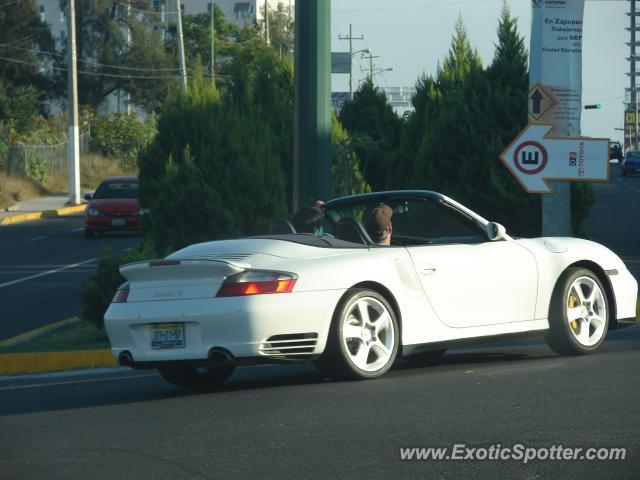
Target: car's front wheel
<point>579,313</point>
<point>363,339</point>
<point>193,377</point>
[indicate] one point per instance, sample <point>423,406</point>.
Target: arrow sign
<point>536,98</point>
<point>533,158</point>
<point>541,103</point>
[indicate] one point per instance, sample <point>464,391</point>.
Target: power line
<point>109,75</point>
<point>97,64</point>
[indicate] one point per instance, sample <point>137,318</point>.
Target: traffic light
<point>594,106</point>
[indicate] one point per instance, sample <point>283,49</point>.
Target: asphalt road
<point>276,422</point>
<point>287,422</point>
<point>42,265</point>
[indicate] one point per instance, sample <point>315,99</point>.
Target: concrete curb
<point>45,214</point>
<point>19,363</point>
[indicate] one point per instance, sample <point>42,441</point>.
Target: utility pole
<point>213,39</point>
<point>266,22</point>
<point>73,141</point>
<point>183,66</point>
<point>370,58</point>
<point>351,38</point>
<point>633,92</point>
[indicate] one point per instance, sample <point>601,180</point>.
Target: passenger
<point>309,219</point>
<point>377,222</point>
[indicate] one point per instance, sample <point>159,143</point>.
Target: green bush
<point>98,290</point>
<point>215,168</point>
<point>121,136</point>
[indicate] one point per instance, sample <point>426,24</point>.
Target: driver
<point>377,222</point>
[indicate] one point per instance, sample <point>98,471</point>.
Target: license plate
<point>167,335</point>
<point>118,222</point>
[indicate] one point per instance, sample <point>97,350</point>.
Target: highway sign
<point>541,103</point>
<point>534,157</point>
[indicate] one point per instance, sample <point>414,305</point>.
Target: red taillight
<point>256,282</point>
<point>122,294</point>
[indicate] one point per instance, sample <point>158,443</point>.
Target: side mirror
<point>495,231</point>
<point>88,197</point>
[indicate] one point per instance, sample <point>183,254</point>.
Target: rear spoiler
<point>174,269</point>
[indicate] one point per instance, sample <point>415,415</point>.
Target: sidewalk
<point>39,207</point>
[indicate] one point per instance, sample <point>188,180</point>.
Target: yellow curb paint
<point>23,337</point>
<point>64,211</point>
<point>45,214</point>
<point>20,363</point>
<point>20,218</point>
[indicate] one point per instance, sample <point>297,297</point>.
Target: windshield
<point>120,189</point>
<point>415,221</point>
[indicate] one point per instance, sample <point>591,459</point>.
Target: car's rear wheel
<point>363,339</point>
<point>193,377</point>
<point>579,313</point>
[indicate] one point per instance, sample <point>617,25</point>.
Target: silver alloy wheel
<point>586,311</point>
<point>368,334</point>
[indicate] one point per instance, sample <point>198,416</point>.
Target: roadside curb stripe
<point>44,214</point>
<point>23,337</point>
<point>19,363</point>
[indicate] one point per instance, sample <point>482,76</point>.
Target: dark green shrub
<point>215,168</point>
<point>98,290</point>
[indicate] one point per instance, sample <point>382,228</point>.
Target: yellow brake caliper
<point>571,304</point>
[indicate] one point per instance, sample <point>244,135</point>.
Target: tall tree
<point>109,61</point>
<point>24,43</point>
<point>370,115</point>
<point>281,30</point>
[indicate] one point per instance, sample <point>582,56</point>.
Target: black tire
<point>191,377</point>
<point>426,358</point>
<point>560,337</point>
<point>89,233</point>
<point>336,362</point>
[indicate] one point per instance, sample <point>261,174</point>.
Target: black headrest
<point>350,230</point>
<point>281,227</point>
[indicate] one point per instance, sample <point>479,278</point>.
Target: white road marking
<point>77,229</point>
<point>49,272</point>
<point>35,239</point>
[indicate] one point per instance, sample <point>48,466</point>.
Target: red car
<point>113,207</point>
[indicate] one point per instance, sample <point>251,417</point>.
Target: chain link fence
<point>23,159</point>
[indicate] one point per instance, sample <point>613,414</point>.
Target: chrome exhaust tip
<point>125,359</point>
<point>220,356</point>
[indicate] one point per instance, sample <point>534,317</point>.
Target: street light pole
<point>73,141</point>
<point>183,65</point>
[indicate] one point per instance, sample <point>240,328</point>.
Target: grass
<point>77,336</point>
<point>93,168</point>
<point>17,188</point>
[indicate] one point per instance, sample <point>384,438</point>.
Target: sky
<point>413,35</point>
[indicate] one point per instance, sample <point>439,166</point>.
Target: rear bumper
<point>239,325</point>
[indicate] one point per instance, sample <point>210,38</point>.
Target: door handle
<point>426,269</point>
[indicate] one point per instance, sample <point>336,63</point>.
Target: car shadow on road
<point>69,393</point>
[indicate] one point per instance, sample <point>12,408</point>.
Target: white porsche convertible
<point>352,307</point>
